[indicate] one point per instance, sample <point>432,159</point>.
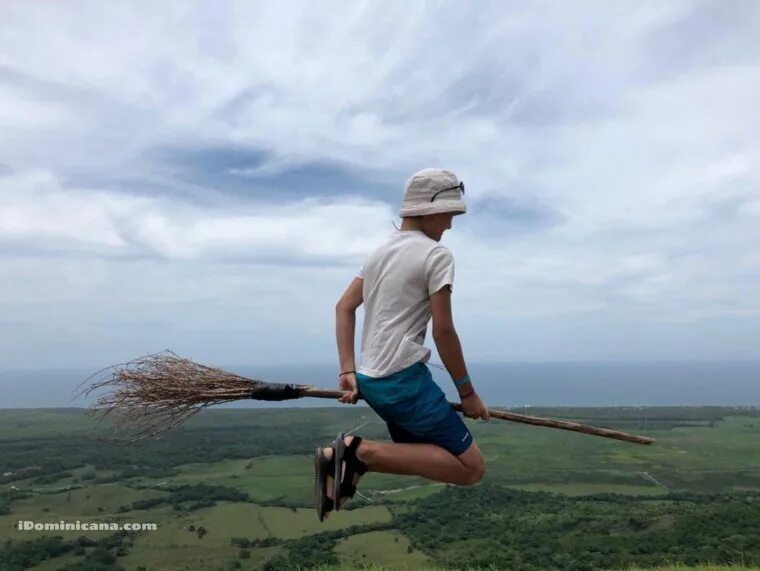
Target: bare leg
<point>426,460</point>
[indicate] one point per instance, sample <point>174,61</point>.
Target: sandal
<point>344,480</point>
<point>322,501</point>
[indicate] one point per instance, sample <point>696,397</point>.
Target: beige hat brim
<point>437,207</point>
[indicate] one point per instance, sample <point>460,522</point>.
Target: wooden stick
<point>523,418</point>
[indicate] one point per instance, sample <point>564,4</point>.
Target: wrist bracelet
<point>463,381</point>
<point>462,397</point>
<point>346,372</point>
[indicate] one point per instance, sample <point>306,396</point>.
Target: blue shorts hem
<point>451,433</point>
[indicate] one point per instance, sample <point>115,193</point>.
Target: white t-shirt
<point>399,278</point>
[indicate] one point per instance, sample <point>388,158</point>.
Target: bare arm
<point>345,323</point>
<point>446,338</point>
<point>450,350</point>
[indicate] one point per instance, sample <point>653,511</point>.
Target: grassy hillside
<point>550,499</point>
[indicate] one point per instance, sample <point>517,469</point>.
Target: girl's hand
<point>348,383</point>
<point>473,407</point>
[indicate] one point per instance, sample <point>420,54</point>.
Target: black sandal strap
<point>360,467</point>
<point>348,491</point>
<point>353,466</point>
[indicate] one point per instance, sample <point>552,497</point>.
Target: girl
<point>403,283</point>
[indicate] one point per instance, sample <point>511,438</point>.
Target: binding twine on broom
<point>155,393</point>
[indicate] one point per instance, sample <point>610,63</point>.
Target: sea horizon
<point>507,384</point>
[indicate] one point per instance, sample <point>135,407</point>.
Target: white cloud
<point>35,211</point>
<point>634,125</point>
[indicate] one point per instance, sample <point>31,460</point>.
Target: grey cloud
<point>246,173</point>
<point>709,34</point>
<point>561,104</point>
<point>497,217</point>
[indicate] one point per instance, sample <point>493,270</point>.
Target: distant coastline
<point>517,384</point>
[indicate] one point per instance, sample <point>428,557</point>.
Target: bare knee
<point>475,474</point>
<point>475,464</point>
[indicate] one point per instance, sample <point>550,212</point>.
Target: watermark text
<point>26,525</point>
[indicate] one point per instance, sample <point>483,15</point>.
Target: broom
<point>155,393</point>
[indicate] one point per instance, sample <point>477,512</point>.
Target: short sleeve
<point>439,269</point>
<point>360,273</point>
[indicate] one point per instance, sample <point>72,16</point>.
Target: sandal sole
<point>318,485</point>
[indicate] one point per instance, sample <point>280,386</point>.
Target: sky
<point>208,177</point>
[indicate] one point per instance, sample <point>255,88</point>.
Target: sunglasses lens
<point>460,186</point>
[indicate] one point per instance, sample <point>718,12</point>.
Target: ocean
<point>499,384</point>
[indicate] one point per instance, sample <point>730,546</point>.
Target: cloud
<point>253,174</point>
<point>37,213</point>
<point>610,152</point>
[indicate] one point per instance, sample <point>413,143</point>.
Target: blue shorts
<point>415,408</point>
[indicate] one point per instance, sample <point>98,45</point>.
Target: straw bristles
<point>155,393</point>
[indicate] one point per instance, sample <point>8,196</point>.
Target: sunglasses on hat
<point>460,186</point>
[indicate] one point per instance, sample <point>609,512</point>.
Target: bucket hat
<point>432,191</point>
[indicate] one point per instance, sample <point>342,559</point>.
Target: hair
<point>417,217</point>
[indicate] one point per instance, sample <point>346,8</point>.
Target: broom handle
<point>523,418</point>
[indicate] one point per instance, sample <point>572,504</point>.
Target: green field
<point>389,549</point>
<point>54,468</point>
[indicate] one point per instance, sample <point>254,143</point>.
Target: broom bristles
<point>155,393</point>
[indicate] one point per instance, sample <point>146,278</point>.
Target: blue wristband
<point>463,381</point>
